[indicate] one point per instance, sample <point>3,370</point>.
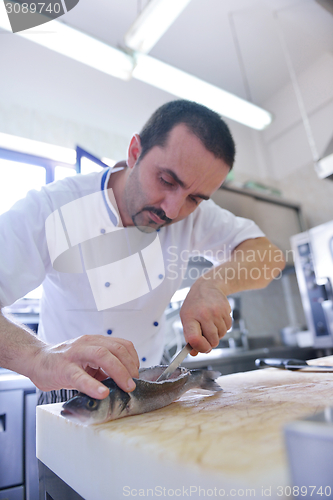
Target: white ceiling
<point>202,41</point>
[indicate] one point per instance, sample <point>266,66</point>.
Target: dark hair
<point>207,125</point>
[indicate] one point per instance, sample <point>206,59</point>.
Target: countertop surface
<point>230,441</point>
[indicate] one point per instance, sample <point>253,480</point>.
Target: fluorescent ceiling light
<point>56,153</point>
<point>152,23</point>
<point>186,86</point>
<point>72,43</point>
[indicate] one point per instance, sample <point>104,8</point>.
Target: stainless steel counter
<point>233,360</point>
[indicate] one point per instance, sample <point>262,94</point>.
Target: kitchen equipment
<point>11,438</point>
<point>309,443</point>
<point>18,463</point>
<point>175,363</point>
<point>291,364</point>
<point>313,257</point>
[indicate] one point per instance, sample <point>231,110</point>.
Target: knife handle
<point>280,363</point>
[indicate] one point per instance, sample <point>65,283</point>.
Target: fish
<point>148,395</point>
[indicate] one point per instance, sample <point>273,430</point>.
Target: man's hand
<point>205,315</point>
<point>81,363</point>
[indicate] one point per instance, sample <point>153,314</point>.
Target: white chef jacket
<point>72,302</point>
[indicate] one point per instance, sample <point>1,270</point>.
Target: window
<point>22,172</point>
<point>16,179</point>
<point>40,164</point>
<point>63,172</point>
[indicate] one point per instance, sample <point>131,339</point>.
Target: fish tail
<point>205,379</point>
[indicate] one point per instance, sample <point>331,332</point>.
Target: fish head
<point>86,410</point>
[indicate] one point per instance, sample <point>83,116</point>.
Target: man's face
<point>170,182</point>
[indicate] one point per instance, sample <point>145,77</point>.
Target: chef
<point>110,249</point>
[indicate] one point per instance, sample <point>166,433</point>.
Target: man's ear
<point>134,151</point>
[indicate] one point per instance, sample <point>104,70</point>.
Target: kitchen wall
<point>265,312</point>
<point>281,155</point>
<point>47,127</point>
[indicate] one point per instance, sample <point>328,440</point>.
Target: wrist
<point>214,279</point>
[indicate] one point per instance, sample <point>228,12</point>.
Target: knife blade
<point>291,364</point>
<point>175,363</point>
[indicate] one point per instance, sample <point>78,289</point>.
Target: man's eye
<point>194,200</point>
<point>166,183</point>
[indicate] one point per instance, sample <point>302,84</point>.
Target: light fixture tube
<point>186,86</point>
<point>72,43</point>
<point>152,23</point>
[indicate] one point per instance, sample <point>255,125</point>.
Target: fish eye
<point>91,404</point>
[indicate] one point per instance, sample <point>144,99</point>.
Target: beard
<point>151,225</point>
<point>137,208</point>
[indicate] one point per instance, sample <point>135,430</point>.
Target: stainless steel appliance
<point>11,441</point>
<point>313,257</point>
<point>18,463</point>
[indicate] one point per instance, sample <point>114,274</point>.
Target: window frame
<point>48,163</point>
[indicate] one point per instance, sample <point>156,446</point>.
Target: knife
<point>175,363</point>
<point>291,364</point>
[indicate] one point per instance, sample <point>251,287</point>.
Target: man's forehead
<point>187,161</point>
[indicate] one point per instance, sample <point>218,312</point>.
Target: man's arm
<point>205,313</point>
<point>76,364</point>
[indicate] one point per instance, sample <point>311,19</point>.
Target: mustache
<point>159,212</point>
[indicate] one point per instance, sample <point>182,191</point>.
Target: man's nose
<point>172,204</point>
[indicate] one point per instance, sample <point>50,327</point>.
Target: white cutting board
<point>224,444</point>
